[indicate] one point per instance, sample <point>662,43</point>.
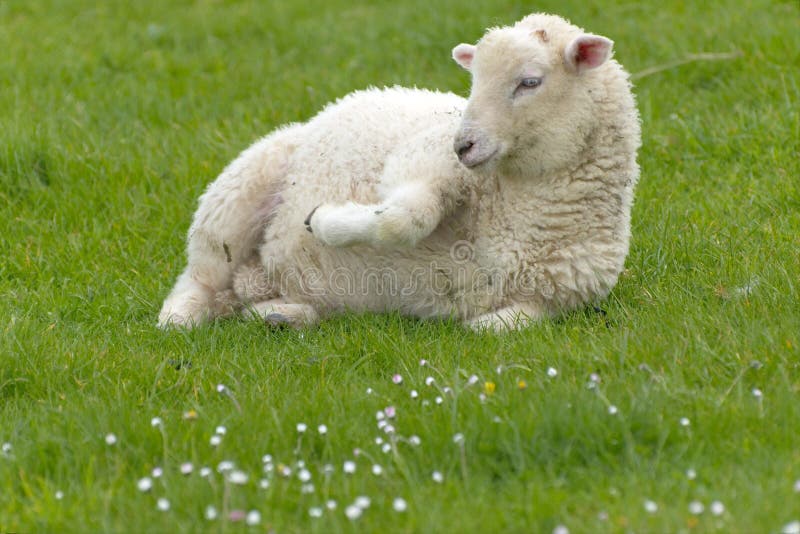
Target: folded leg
<point>226,230</point>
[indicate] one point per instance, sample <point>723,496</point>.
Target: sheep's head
<point>529,109</point>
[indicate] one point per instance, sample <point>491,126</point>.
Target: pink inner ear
<point>463,54</point>
<point>464,57</point>
<point>590,51</point>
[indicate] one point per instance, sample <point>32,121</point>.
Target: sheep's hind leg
<point>226,232</point>
<point>278,312</point>
<point>512,317</point>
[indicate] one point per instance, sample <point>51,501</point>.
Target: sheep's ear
<point>588,52</point>
<point>463,54</point>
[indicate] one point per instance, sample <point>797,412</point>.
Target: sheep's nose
<point>463,146</point>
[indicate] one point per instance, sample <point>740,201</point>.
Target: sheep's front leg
<point>512,317</point>
<point>410,213</point>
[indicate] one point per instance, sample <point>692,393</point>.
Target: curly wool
<point>369,206</point>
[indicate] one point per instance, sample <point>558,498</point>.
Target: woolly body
<point>497,210</point>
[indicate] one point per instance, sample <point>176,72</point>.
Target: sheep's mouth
<point>472,161</point>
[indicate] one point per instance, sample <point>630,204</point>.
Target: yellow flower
<point>522,384</point>
<point>489,388</point>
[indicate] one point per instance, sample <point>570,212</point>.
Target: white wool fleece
<point>497,210</point>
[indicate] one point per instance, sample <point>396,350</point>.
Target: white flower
<point>237,477</point>
<point>791,528</point>
<point>301,427</point>
<point>473,380</point>
<point>221,388</point>
<point>267,459</point>
<point>322,429</point>
<point>438,477</point>
<point>423,363</point>
<point>369,391</point>
<point>6,448</point>
<point>111,439</point>
<point>439,400</point>
<point>362,502</point>
<point>215,440</point>
<point>390,412</point>
<point>414,394</point>
<point>389,429</point>
<point>447,390</point>
<point>650,506</point>
<point>797,486</point>
<point>349,467</point>
<point>225,465</point>
<point>187,468</point>
<point>330,504</point>
<point>144,484</point>
<point>386,448</point>
<point>263,483</point>
<point>380,415</point>
<point>458,438</point>
<point>397,379</point>
<point>561,529</point>
<point>429,381</point>
<point>378,440</point>
<point>253,518</point>
<point>211,513</point>
<point>157,472</point>
<point>414,440</point>
<point>353,512</point>
<point>552,372</point>
<point>757,393</point>
<point>691,474</point>
<point>717,508</point>
<point>399,505</point>
<point>685,421</point>
<point>315,511</point>
<point>613,410</point>
<point>377,470</point>
<point>306,489</point>
<point>696,508</point>
<point>59,495</point>
<point>221,430</point>
<point>382,423</point>
<point>328,469</point>
<point>156,421</point>
<point>304,475</point>
<point>205,472</point>
<point>162,504</point>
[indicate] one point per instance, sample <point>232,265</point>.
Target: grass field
<point>113,118</point>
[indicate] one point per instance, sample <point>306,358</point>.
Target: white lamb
<point>498,210</point>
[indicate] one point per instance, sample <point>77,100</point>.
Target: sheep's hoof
<point>307,222</point>
<point>278,320</point>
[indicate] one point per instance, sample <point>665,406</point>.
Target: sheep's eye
<point>530,83</point>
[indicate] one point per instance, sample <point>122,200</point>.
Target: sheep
<point>498,211</point>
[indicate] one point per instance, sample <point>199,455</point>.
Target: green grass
<point>113,119</point>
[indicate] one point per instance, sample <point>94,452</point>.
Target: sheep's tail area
<point>226,234</point>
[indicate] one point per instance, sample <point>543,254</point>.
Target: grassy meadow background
<point>115,115</point>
